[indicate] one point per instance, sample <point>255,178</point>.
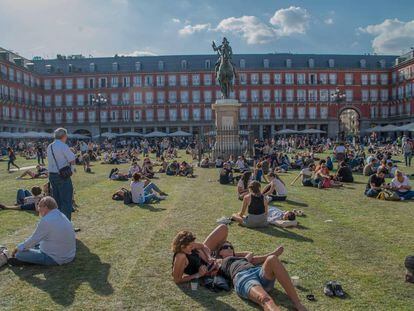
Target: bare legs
<point>217,237</point>
<point>237,218</point>
<point>274,269</point>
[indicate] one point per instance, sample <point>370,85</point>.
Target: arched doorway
<point>349,123</point>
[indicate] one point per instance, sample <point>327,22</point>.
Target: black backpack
<point>127,197</point>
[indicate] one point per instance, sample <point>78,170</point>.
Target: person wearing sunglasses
<point>254,276</point>
<point>191,258</point>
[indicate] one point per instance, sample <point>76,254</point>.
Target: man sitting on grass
<point>376,183</point>
<point>401,185</point>
<point>53,242</point>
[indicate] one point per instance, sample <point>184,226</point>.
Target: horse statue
<point>224,68</point>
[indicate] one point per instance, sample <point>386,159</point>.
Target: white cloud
<point>139,53</point>
<point>391,36</point>
<point>191,29</point>
<point>291,20</point>
<point>176,20</point>
<point>249,27</point>
<point>329,21</point>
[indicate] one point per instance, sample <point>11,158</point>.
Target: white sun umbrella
<point>374,129</point>
<point>312,131</point>
<point>45,135</point>
<point>156,134</point>
<point>179,133</point>
<point>406,127</point>
<point>6,135</point>
<point>107,135</point>
<point>287,131</point>
<point>389,128</point>
<point>31,134</point>
<point>131,134</point>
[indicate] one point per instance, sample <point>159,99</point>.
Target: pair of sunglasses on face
<point>227,246</point>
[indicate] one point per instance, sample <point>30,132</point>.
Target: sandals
<point>299,212</point>
<point>333,288</point>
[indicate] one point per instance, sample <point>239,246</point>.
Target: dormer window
<point>183,64</point>
<point>138,66</point>
<point>207,64</point>
<point>266,63</point>
<point>363,63</point>
<point>331,63</point>
<point>92,67</point>
<point>115,66</point>
<point>311,62</point>
<point>160,65</point>
<point>382,63</point>
<point>242,63</point>
<point>70,68</point>
<point>48,68</point>
<point>289,63</point>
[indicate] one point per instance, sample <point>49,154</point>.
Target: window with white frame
<point>266,113</point>
<point>349,94</point>
<point>384,95</point>
<point>207,79</point>
<point>183,80</point>
<point>364,79</point>
<point>114,98</point>
<point>207,114</point>
<point>137,98</point>
<point>243,96</point>
<point>373,94</point>
<point>331,63</point>
<point>80,83</point>
<point>301,78</point>
<point>137,115</point>
<point>313,95</point>
<point>48,84</point>
<point>242,63</point>
<point>255,113</point>
<point>266,95</point>
<point>137,81</point>
<point>114,81</point>
<point>80,116</point>
<point>323,78</point>
<point>408,90</point>
<point>408,108</point>
<point>91,116</point>
<point>288,63</point>
<point>173,114</point>
<point>160,114</point>
<point>324,112</point>
<point>160,97</point>
<point>277,78</point>
<point>266,63</point>
<point>384,111</point>
<point>184,114</point>
<point>364,95</point>
<point>373,112</point>
<point>301,112</point>
<point>289,78</point>
<point>243,78</point>
<point>196,114</point>
<point>255,96</point>
<point>172,80</point>
<point>58,84</point>
<point>332,78</point>
<point>172,97</point>
<point>102,82</point>
<point>69,116</point>
<point>207,96</point>
<point>278,95</point>
<point>254,78</point>
<point>312,113</point>
<point>384,79</point>
<point>349,77</point>
<point>301,95</point>
<point>289,95</point>
<point>393,110</point>
<point>196,96</point>
<point>149,115</point>
<point>218,94</point>
<point>243,113</point>
<point>48,100</point>
<point>289,112</point>
<point>104,116</point>
<point>184,97</point>
<point>69,99</point>
<point>69,84</point>
<point>148,81</point>
<point>373,78</point>
<point>149,97</point>
<point>58,100</point>
<point>278,113</point>
<point>160,80</point>
<point>266,78</point>
<point>195,79</point>
<point>58,117</point>
<point>313,78</point>
<point>400,109</point>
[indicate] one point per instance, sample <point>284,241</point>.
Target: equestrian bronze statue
<point>224,68</point>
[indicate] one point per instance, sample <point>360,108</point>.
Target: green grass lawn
<point>124,259</point>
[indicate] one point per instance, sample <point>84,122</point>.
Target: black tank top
<point>194,263</point>
<point>256,206</point>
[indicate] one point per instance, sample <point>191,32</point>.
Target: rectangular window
<point>348,79</point>
<point>196,80</point>
<point>323,95</point>
<point>313,95</point>
<point>173,114</point>
<point>125,98</point>
<point>69,84</point>
<point>79,99</point>
<point>289,78</point>
<point>278,113</point>
<point>277,78</point>
<point>126,82</point>
<point>184,97</point>
<point>48,84</point>
<point>266,95</point>
<point>207,79</point>
<point>148,81</point>
<point>161,114</point>
<point>137,81</point>
<point>183,80</point>
<point>91,83</point>
<point>80,83</point>
<point>243,113</point>
<point>114,98</point>
<point>207,96</point>
<point>364,79</point>
<point>301,78</point>
<point>384,79</point>
<point>207,114</point>
<point>332,78</point>
<point>160,80</point>
<point>80,116</point>
<point>364,95</point>
<point>172,80</point>
<point>289,95</point>
<point>255,113</point>
<point>149,97</point>
<point>278,95</point>
<point>137,115</point>
<point>373,79</point>
<point>312,113</point>
<point>91,116</point>
<point>384,95</point>
<point>266,113</point>
<point>243,78</point>
<point>313,78</point>
<point>196,114</point>
<point>196,96</point>
<point>243,96</point>
<point>102,82</point>
<point>255,96</point>
<point>254,78</point>
<point>301,95</point>
<point>137,98</point>
<point>301,112</point>
<point>160,97</point>
<point>184,114</point>
<point>58,84</point>
<point>373,94</point>
<point>149,114</point>
<point>289,112</point>
<point>266,78</point>
<point>172,97</point>
<point>58,100</point>
<point>349,95</point>
<point>69,100</point>
<point>69,117</point>
<point>324,112</point>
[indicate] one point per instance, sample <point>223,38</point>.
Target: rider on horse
<point>225,52</point>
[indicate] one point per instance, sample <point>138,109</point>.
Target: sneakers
<point>161,197</point>
<point>224,220</point>
<point>333,288</point>
<point>4,255</point>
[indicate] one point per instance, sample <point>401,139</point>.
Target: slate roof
<point>172,63</point>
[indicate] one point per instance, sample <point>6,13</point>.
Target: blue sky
<point>106,27</point>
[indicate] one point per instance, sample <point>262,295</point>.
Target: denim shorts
<point>249,278</point>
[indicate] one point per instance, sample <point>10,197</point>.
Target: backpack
<point>119,195</point>
<point>388,196</point>
<point>127,197</point>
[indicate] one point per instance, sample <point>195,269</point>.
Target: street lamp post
<point>99,100</point>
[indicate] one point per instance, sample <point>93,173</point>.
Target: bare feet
<point>278,251</point>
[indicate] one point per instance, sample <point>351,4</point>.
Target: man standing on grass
<point>60,156</point>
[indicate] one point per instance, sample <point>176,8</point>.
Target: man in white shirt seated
<point>401,185</point>
<point>240,165</point>
<point>53,242</point>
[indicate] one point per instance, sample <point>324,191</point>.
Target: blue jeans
<point>35,256</point>
<point>151,186</point>
<point>372,193</point>
<point>62,192</point>
<point>21,194</point>
<point>246,279</point>
<point>407,157</point>
<point>406,195</point>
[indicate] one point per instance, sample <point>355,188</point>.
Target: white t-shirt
<point>396,183</point>
<point>279,187</point>
<point>240,164</point>
<point>137,191</point>
<point>306,172</point>
<point>340,149</point>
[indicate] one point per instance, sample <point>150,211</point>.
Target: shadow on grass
<point>296,203</point>
<point>282,233</point>
<point>149,207</point>
<point>207,299</point>
<point>62,282</point>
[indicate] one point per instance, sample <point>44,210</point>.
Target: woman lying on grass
<point>254,276</point>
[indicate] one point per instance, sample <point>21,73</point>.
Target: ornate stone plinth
<point>227,128</point>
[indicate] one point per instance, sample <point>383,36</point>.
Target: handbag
<point>64,172</point>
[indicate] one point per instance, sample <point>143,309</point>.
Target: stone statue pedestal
<point>227,128</point>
